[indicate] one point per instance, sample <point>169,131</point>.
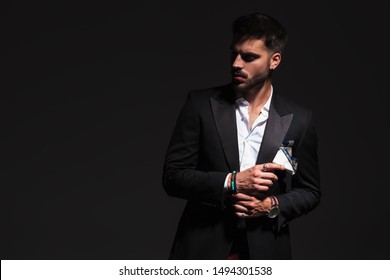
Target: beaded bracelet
<point>233,184</point>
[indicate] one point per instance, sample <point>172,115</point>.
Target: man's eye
<point>248,58</point>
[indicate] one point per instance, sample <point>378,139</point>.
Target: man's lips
<point>239,78</point>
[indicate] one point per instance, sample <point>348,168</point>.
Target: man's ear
<point>275,60</point>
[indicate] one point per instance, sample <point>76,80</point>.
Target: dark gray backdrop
<point>92,91</point>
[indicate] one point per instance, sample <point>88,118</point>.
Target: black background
<point>91,92</point>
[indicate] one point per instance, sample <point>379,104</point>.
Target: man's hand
<point>246,206</point>
<point>257,178</point>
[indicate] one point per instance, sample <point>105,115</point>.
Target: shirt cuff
<point>225,186</point>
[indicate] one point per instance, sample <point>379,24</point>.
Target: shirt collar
<point>265,110</point>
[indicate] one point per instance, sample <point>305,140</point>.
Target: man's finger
<point>242,196</point>
<point>261,188</point>
<point>269,166</point>
<point>246,204</point>
<point>240,208</point>
<point>263,182</point>
<point>241,215</point>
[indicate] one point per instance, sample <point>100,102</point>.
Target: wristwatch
<point>273,212</point>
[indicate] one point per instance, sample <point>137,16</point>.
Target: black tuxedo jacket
<point>204,149</point>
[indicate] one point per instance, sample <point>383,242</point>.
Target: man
<point>244,157</point>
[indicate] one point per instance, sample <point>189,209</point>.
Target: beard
<point>253,83</point>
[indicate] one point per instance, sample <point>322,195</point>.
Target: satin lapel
<point>225,120</point>
<point>275,131</point>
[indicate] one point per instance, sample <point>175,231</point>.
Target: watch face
<point>273,212</point>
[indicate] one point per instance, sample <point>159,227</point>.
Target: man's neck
<point>258,97</point>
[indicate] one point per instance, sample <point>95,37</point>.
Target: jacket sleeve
<point>181,178</point>
<point>305,184</point>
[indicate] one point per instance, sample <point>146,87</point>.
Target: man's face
<point>251,62</point>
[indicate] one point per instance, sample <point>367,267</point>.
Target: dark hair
<point>260,26</point>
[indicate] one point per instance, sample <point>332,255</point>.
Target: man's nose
<point>238,63</point>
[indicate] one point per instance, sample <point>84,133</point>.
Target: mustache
<point>239,73</point>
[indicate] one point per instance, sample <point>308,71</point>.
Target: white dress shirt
<point>249,139</point>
